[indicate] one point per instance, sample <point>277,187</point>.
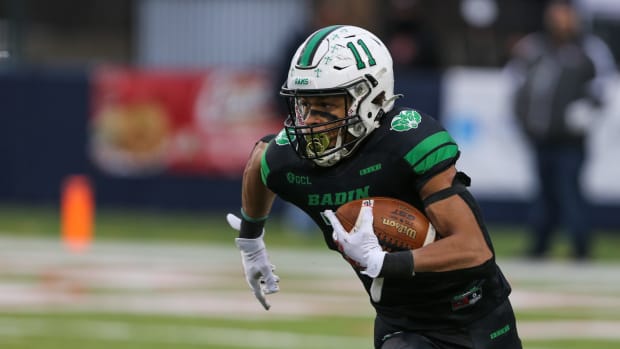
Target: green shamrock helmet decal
<point>406,120</point>
<point>282,138</point>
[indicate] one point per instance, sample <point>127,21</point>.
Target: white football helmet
<point>339,60</point>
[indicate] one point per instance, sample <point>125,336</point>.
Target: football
<point>397,224</point>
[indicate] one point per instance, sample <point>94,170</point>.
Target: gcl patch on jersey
<point>406,120</point>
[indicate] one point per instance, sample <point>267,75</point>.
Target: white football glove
<point>258,270</point>
<point>361,243</point>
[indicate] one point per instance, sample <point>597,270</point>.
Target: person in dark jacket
<point>559,76</point>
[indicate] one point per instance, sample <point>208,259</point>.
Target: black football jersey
<point>395,161</point>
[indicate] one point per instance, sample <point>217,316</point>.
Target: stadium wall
<point>44,137</point>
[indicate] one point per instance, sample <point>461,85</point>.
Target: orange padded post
<point>77,214</point>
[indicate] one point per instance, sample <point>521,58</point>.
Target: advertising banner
<point>147,122</point>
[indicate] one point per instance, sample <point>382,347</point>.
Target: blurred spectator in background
<point>558,94</point>
<point>410,40</point>
<point>413,47</point>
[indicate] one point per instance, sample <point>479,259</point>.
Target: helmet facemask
<point>328,142</point>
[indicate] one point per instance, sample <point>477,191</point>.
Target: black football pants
<point>496,330</point>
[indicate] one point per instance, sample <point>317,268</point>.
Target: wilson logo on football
<point>401,228</point>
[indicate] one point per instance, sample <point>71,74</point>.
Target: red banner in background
<point>176,122</point>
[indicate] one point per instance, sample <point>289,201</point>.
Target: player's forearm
<point>462,245</point>
<point>256,198</point>
<point>449,254</point>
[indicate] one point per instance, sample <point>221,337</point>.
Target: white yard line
<point>569,329</point>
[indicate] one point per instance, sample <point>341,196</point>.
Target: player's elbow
<point>472,249</point>
<point>477,252</point>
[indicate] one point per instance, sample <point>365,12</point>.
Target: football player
<point>344,139</point>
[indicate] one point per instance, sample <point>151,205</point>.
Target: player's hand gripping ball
<point>397,224</point>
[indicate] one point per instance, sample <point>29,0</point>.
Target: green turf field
<point>160,280</point>
<point>98,331</point>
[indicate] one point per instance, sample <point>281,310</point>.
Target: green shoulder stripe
<point>431,151</point>
<point>264,167</point>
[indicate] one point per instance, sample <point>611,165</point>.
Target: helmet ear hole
<point>380,99</point>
